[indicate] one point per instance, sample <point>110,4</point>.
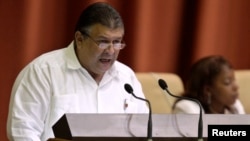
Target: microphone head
<point>162,84</point>
<point>128,88</point>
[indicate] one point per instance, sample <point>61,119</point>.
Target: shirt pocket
<point>61,104</point>
<point>130,106</point>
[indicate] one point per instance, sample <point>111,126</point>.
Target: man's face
<point>93,58</point>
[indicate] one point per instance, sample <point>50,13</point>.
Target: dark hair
<point>202,73</point>
<point>99,12</point>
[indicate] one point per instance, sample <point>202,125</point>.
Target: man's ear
<point>78,37</point>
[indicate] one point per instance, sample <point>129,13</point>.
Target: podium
<point>133,127</point>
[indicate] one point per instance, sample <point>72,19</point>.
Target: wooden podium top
<point>175,126</point>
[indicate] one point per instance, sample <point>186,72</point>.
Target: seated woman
<point>211,81</point>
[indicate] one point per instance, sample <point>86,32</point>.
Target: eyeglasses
<point>104,44</point>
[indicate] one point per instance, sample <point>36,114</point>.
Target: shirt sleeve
<point>28,105</point>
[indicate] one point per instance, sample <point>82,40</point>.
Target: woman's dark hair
<point>203,73</point>
<point>101,13</point>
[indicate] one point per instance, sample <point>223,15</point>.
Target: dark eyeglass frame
<point>105,45</point>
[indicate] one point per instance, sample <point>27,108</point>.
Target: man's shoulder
<point>122,67</point>
<point>124,70</point>
<point>54,56</point>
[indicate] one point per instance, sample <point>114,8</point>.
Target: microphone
<point>164,86</point>
<point>130,90</point>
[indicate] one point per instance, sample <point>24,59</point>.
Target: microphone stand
<point>164,86</point>
<point>129,89</point>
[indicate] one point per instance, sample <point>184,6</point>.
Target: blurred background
<point>161,35</point>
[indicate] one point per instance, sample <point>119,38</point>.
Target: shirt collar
<point>71,59</point>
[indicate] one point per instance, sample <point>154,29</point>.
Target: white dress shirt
<point>55,83</point>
